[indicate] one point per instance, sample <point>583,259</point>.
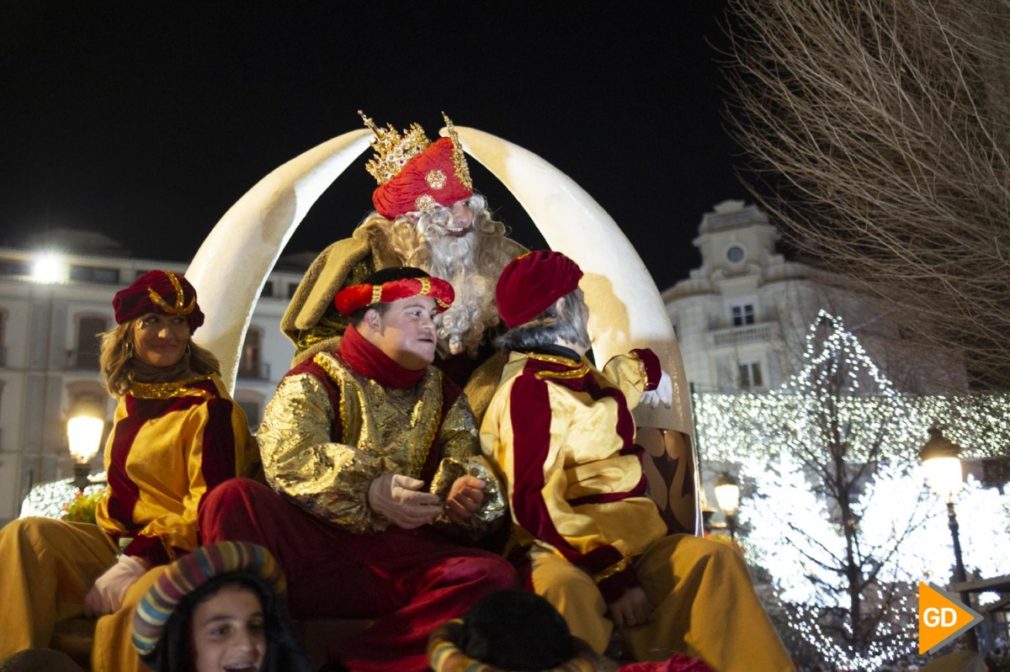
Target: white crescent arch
<point>235,260</point>
<point>233,263</point>
<point>625,307</point>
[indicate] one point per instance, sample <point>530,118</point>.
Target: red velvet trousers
<point>410,580</point>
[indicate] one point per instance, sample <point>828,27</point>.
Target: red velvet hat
<point>414,173</point>
<point>353,298</point>
<point>158,292</point>
<point>531,283</point>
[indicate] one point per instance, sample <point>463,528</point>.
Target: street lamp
<point>84,436</point>
<point>940,459</point>
<point>727,494</point>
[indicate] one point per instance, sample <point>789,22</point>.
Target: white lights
<point>84,434</point>
<point>49,268</point>
<point>942,466</point>
<point>832,460</point>
<point>727,494</point>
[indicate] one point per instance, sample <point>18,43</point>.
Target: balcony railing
<point>750,333</point>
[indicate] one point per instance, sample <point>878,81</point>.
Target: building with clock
<point>741,318</point>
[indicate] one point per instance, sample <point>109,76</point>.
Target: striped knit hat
<point>189,573</point>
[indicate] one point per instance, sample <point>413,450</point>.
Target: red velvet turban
<point>158,292</point>
<point>430,177</point>
<point>356,297</point>
<point>531,283</point>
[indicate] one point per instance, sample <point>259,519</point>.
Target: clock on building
<point>734,254</point>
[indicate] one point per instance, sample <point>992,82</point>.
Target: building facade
<point>742,317</point>
<point>52,310</point>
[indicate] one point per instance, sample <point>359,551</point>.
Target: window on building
<point>750,375</point>
<point>268,289</point>
<point>105,276</point>
<point>89,329</point>
<point>251,363</point>
<point>743,314</point>
<point>292,288</point>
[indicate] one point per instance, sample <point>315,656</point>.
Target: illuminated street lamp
<point>942,462</point>
<point>727,494</point>
<point>84,436</point>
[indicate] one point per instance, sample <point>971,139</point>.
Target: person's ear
<point>373,320</point>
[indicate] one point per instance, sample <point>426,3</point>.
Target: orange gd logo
<point>942,617</point>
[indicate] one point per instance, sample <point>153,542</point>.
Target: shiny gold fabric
<point>493,508</point>
<point>381,429</point>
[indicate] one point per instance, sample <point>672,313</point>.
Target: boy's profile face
<point>405,331</point>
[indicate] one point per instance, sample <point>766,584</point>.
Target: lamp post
<point>727,494</point>
<point>940,458</point>
<point>84,435</point>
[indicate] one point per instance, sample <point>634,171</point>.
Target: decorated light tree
<point>838,515</point>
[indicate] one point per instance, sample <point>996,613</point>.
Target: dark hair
<point>515,630</point>
<point>378,278</point>
<point>174,652</point>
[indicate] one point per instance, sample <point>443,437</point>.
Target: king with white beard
<point>427,216</point>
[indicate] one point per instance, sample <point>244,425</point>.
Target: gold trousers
<point>703,605</point>
<point>46,568</point>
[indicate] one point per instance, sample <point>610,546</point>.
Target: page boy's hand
<point>631,608</point>
<point>398,498</point>
<point>662,395</point>
<point>465,498</point>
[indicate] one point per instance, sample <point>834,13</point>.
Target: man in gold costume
<point>585,534</point>
<point>373,455</point>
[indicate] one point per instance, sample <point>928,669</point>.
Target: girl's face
<point>160,340</point>
<point>228,631</point>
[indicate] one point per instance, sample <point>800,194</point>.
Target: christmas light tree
<point>838,514</point>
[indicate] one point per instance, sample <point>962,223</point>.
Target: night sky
<point>148,120</point>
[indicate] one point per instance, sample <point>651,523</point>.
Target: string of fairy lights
<point>840,423</point>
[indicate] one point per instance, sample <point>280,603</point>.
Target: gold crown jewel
<point>458,158</point>
<point>392,150</point>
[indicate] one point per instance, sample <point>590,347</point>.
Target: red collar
<point>373,363</point>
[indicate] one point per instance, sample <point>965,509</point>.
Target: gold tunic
<point>324,455</point>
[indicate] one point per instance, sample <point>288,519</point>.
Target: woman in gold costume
<point>175,436</point>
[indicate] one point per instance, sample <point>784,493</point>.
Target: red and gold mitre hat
<point>158,292</point>
<point>354,298</point>
<point>415,174</point>
<point>531,283</point>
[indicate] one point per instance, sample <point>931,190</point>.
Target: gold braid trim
<point>179,308</point>
<point>576,372</point>
<point>171,390</point>
<point>619,566</point>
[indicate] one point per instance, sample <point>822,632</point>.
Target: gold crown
<point>393,151</point>
<point>458,158</point>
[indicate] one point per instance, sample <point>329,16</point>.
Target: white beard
<point>472,264</point>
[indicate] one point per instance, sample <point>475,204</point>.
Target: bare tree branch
<point>880,142</point>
